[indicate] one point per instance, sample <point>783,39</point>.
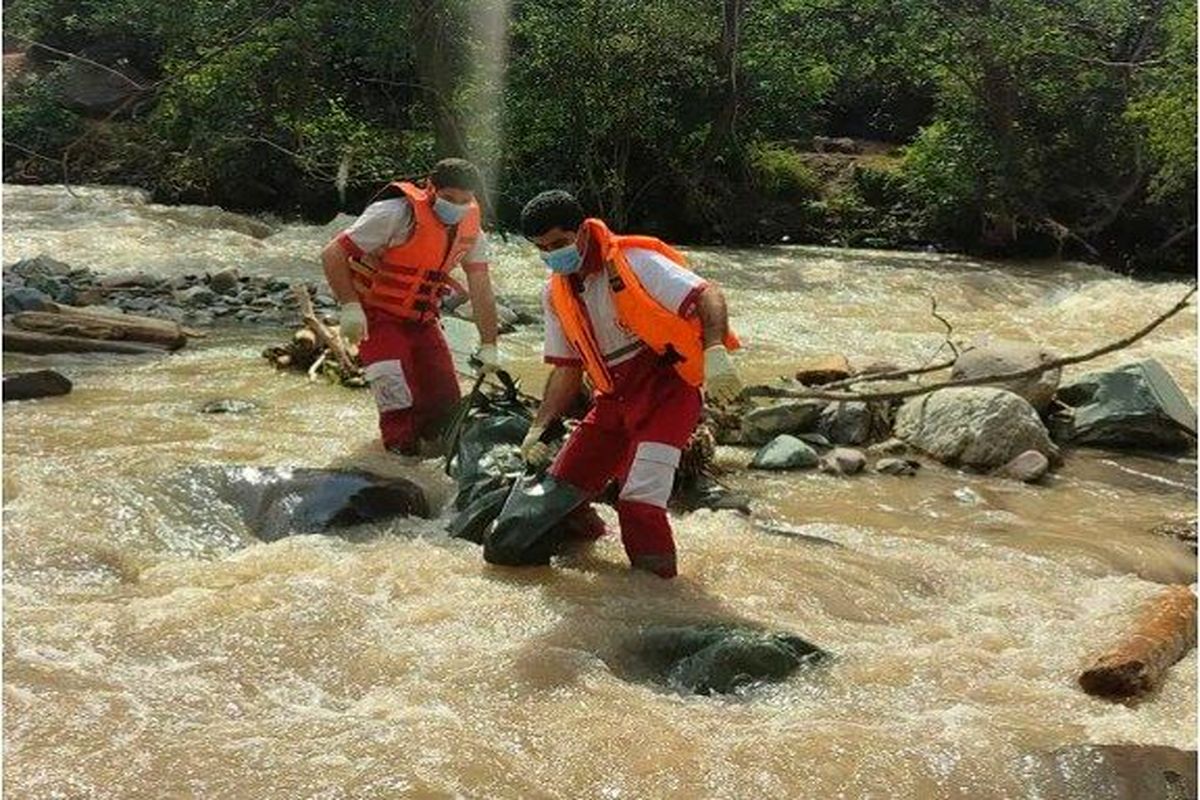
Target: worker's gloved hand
<point>721,382</point>
<point>488,358</point>
<point>353,323</point>
<point>535,452</point>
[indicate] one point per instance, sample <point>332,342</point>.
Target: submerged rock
<point>785,452</point>
<point>34,384</point>
<point>1112,772</point>
<point>229,406</point>
<point>761,425</point>
<point>976,426</point>
<point>1137,405</point>
<point>276,502</point>
<point>1000,357</point>
<point>720,659</point>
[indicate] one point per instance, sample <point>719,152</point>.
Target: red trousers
<point>636,435</point>
<point>411,374</point>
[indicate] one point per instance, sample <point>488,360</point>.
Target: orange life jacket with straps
<point>408,280</point>
<point>680,341</point>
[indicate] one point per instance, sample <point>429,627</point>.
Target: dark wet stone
<point>1136,406</point>
<point>34,384</point>
<point>720,659</point>
<point>276,502</point>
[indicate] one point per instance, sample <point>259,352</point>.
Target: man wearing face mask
<point>649,334</point>
<point>389,270</point>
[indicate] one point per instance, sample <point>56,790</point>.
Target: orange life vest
<point>680,340</point>
<point>408,280</point>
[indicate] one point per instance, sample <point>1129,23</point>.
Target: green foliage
<point>782,174</point>
<point>1018,116</point>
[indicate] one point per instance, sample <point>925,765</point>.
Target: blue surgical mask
<point>448,212</point>
<point>564,260</point>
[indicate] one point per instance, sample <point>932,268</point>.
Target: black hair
<point>456,173</point>
<point>551,209</point>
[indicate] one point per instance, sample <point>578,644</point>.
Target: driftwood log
<point>19,341</point>
<point>1164,630</point>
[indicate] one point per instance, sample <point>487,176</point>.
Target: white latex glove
<point>721,381</point>
<point>489,358</point>
<point>353,323</point>
<point>536,453</point>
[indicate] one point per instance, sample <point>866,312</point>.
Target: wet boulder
<point>843,461</point>
<point>1135,406</point>
<point>785,452</point>
<point>1000,357</point>
<point>763,424</point>
<point>846,423</point>
<point>34,384</point>
<point>275,502</point>
<point>719,659</point>
<point>975,426</point>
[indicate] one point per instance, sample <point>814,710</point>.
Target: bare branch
<point>1119,344</point>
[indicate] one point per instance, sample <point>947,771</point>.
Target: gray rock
<point>124,280</point>
<point>976,426</point>
<point>719,659</point>
<point>785,452</point>
<point>843,461</point>
<point>138,304</point>
<point>897,466</point>
<point>25,299</point>
<point>34,384</point>
<point>56,288</point>
<point>229,406</point>
<point>889,447</point>
<point>1138,406</point>
<point>793,416</point>
<point>201,318</point>
<point>173,313</point>
<point>1028,467</point>
<point>1001,356</point>
<point>846,422</point>
<point>195,296</point>
<point>221,310</point>
<point>277,285</point>
<point>814,439</point>
<point>39,266</point>
<point>224,282</point>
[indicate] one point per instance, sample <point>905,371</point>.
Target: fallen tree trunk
<point>69,321</point>
<point>1163,632</point>
<point>19,341</point>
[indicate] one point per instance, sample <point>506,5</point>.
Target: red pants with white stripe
<point>411,374</point>
<point>636,435</point>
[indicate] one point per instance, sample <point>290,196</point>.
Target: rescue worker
<point>649,334</point>
<point>388,271</point>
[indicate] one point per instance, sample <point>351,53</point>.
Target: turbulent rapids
<point>156,645</point>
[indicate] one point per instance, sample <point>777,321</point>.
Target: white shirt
<point>671,285</point>
<point>389,223</point>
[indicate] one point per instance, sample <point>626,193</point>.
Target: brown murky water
<point>153,649</point>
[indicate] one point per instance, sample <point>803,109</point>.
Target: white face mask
<point>448,212</point>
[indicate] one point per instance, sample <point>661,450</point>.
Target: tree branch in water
<point>824,394</point>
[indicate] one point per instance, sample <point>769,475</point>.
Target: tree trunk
<point>433,44</point>
<point>69,321</point>
<point>722,134</point>
<point>18,341</point>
